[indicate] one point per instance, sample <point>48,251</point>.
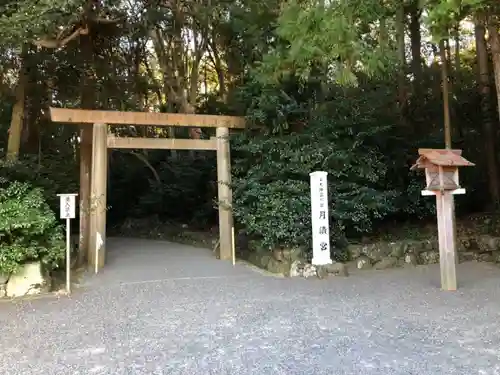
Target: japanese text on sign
<point>319,218</point>
<point>67,206</point>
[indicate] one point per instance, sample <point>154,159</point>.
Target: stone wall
<point>291,262</point>
<point>279,261</point>
<point>381,255</point>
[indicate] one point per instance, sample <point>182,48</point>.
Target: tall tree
<point>415,13</point>
<point>17,117</point>
<point>486,110</point>
<point>401,53</point>
<point>447,129</point>
<point>494,40</point>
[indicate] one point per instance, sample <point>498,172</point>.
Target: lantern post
<point>441,176</point>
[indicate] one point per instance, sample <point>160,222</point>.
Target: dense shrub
<point>271,169</point>
<point>28,228</point>
<point>56,174</point>
<point>361,138</point>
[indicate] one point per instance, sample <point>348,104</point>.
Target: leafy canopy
<point>338,37</point>
<point>26,20</point>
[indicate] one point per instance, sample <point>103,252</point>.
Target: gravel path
<point>161,308</point>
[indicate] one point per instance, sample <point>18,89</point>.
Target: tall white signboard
<point>67,210</point>
<point>319,218</point>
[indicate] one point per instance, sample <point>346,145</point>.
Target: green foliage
<point>28,228</point>
<point>336,37</point>
<point>271,171</point>
<point>55,175</point>
<point>27,20</point>
<point>186,191</point>
<point>442,15</point>
<point>316,97</point>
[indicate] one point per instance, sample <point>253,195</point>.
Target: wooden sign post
<point>67,211</point>
<point>441,174</point>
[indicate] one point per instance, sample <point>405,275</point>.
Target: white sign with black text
<point>67,210</point>
<point>319,218</point>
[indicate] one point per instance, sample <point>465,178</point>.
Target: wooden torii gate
<point>93,176</point>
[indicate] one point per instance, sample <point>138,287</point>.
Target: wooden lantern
<point>441,169</point>
<point>441,176</point>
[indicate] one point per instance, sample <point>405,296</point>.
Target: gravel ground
<point>161,308</point>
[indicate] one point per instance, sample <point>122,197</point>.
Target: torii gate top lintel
<point>84,116</point>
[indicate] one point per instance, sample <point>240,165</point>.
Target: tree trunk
<point>486,111</point>
<point>451,74</point>
<point>457,49</point>
<point>446,93</point>
<point>400,41</point>
<point>16,122</point>
<point>166,69</point>
<point>416,43</point>
<point>494,39</point>
<point>453,80</point>
<point>220,76</point>
<point>37,99</point>
<point>216,59</point>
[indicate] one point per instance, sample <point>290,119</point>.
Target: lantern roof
<point>440,157</point>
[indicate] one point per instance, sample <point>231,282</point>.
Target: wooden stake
<point>233,249</point>
<point>224,193</point>
<point>98,201</point>
<point>68,256</point>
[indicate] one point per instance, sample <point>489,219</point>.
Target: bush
<point>272,194</point>
<point>57,174</point>
<point>271,169</point>
<point>28,229</point>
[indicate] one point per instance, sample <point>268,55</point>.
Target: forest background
<point>352,87</point>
